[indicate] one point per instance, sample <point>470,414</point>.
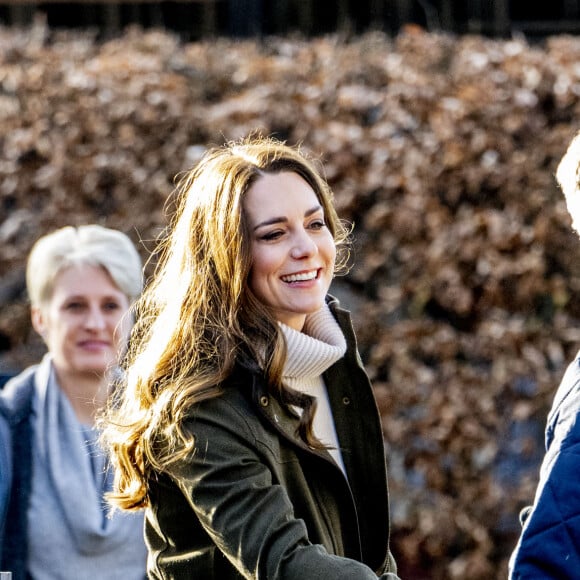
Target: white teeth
<point>300,277</point>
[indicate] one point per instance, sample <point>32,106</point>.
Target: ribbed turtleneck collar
<point>320,344</point>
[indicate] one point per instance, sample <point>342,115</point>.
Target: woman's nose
<point>94,318</point>
<point>303,245</point>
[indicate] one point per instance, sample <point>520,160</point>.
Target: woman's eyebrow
<point>280,219</point>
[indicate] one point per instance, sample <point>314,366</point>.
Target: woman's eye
<point>318,224</point>
<point>272,235</point>
<point>74,306</point>
<point>111,306</point>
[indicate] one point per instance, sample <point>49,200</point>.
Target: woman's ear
<point>38,321</point>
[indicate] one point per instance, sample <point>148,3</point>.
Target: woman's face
<point>84,324</point>
<point>293,251</point>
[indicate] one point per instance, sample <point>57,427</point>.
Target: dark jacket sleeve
<point>15,409</point>
<point>247,514</point>
<point>550,540</point>
<point>5,474</point>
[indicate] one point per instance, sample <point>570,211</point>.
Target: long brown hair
<point>198,316</point>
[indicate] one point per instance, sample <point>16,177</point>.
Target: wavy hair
<point>198,317</point>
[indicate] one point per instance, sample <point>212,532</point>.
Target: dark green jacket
<point>254,501</point>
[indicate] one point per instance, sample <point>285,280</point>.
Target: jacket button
<point>264,401</point>
<point>346,400</point>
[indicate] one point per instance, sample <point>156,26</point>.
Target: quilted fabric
<point>549,545</point>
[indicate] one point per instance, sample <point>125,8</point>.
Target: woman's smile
<point>301,277</point>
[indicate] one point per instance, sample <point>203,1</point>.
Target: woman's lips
<point>94,344</point>
<point>301,276</point>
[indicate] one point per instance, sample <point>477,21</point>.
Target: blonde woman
<point>81,283</point>
<point>549,544</point>
<point>246,425</point>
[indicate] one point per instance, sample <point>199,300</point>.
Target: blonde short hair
<point>567,176</point>
<point>92,245</point>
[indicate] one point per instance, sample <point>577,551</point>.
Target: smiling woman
<point>245,408</point>
<point>81,283</point>
<point>85,327</point>
<point>293,250</point>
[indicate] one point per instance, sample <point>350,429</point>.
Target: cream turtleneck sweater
<point>310,352</point>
